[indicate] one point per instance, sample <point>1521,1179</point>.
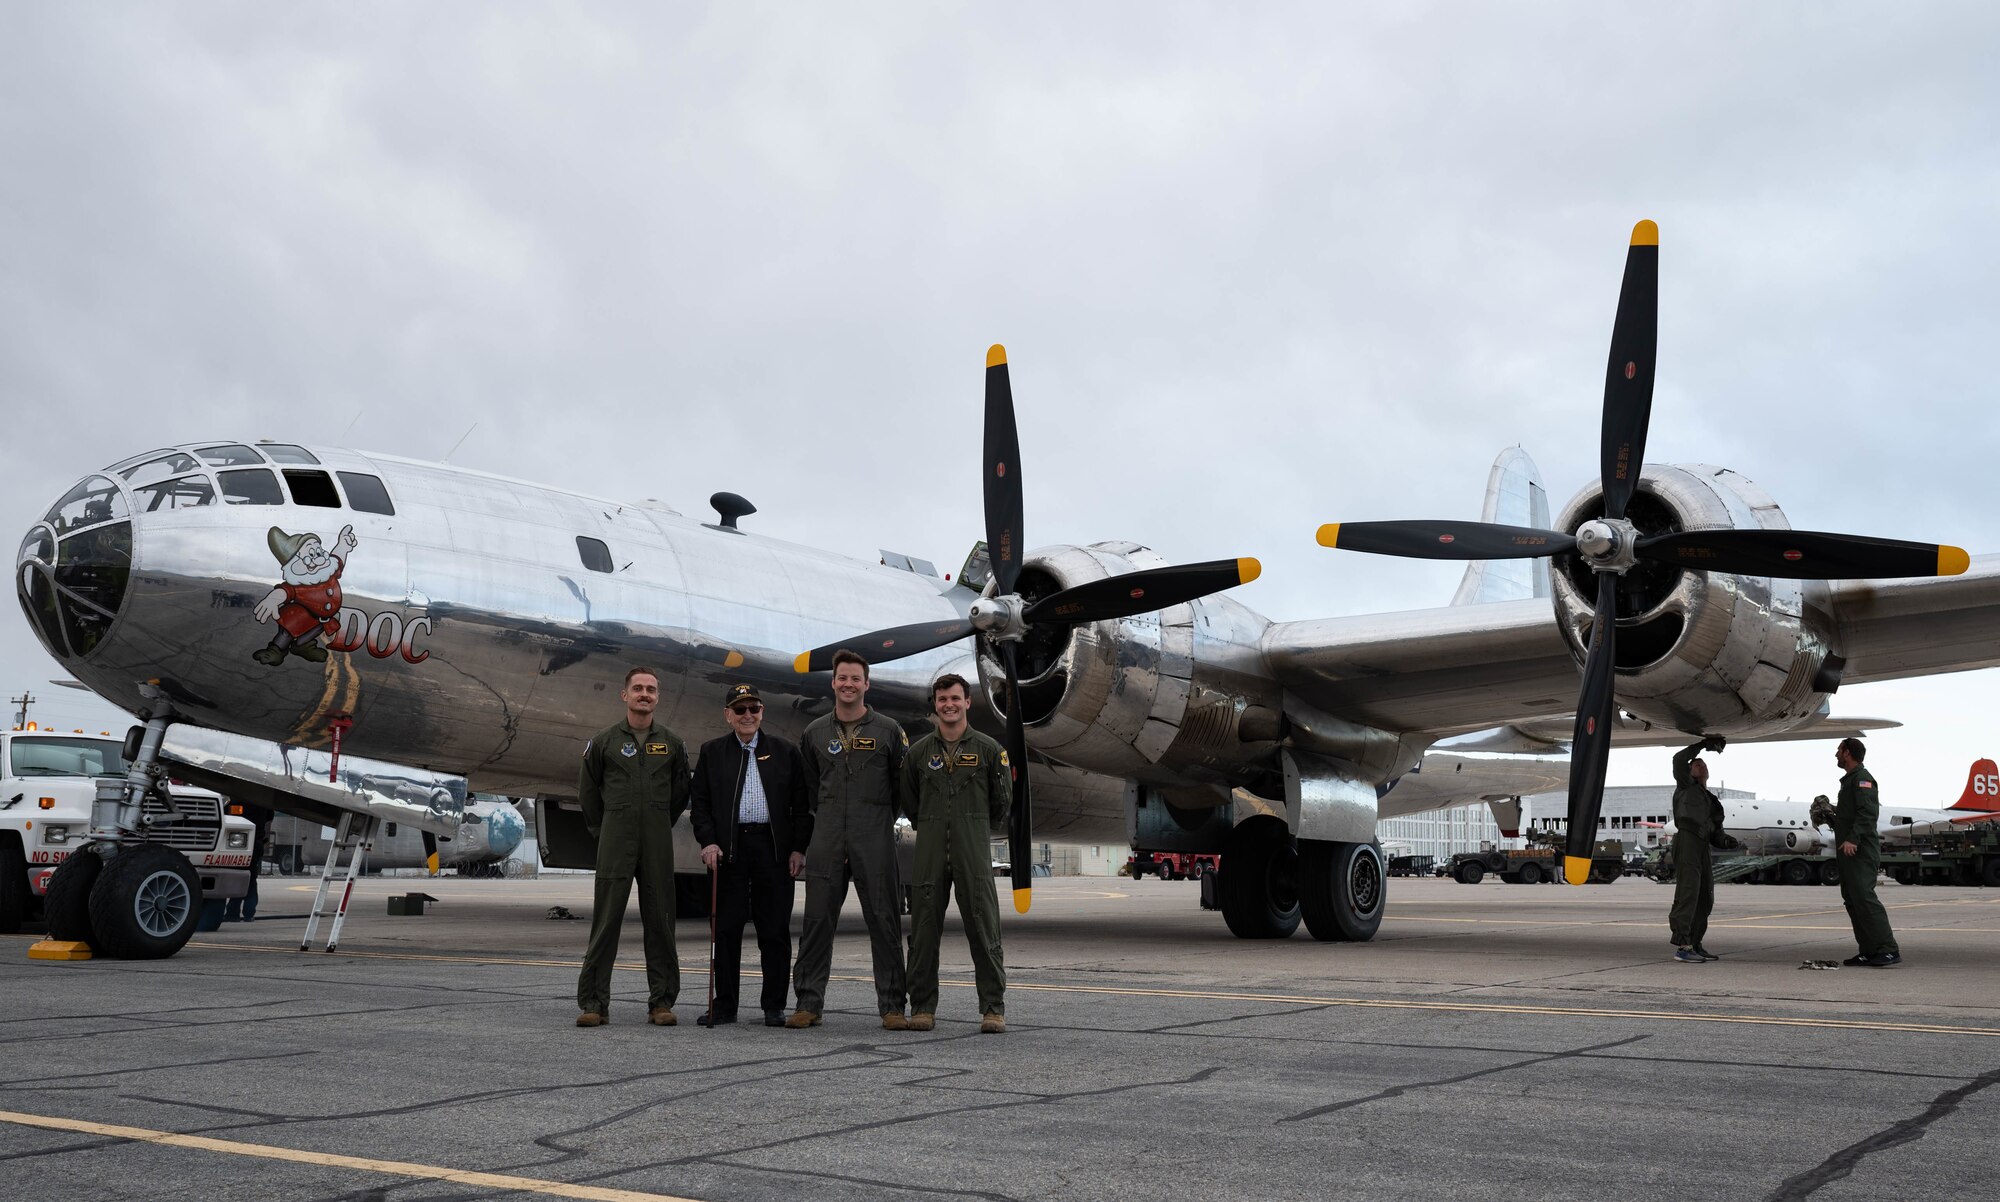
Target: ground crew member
<point>852,756</point>
<point>1697,824</point>
<point>1855,817</point>
<point>751,809</point>
<point>958,785</point>
<point>633,786</point>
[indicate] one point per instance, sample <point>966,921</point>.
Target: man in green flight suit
<point>853,756</point>
<point>633,787</point>
<point>1697,825</point>
<point>958,786</point>
<point>1855,817</point>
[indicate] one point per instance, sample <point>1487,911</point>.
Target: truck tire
<point>145,904</point>
<point>1471,872</point>
<point>1829,873</point>
<point>1989,872</point>
<point>1798,872</point>
<point>1343,889</point>
<point>1531,873</point>
<point>67,902</point>
<point>14,892</point>
<point>1606,874</point>
<point>1259,882</point>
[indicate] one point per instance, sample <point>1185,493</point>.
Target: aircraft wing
<point>1890,629</point>
<point>1437,671</point>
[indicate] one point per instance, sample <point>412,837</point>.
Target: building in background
<point>1443,833</point>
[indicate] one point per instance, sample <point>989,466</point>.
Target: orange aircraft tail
<point>1982,788</point>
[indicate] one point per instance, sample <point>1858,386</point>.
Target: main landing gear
<point>1271,882</point>
<point>115,895</point>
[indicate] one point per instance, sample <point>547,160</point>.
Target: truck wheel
<point>67,902</point>
<point>1531,874</point>
<point>1989,872</point>
<point>14,894</point>
<point>1829,873</point>
<point>1471,872</point>
<point>1342,890</point>
<point>1259,882</point>
<point>1606,874</point>
<point>1798,872</point>
<point>145,903</point>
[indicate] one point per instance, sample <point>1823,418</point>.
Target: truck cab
<point>48,780</point>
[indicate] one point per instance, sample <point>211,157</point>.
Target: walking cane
<point>713,878</point>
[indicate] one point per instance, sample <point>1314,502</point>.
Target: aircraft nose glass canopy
<point>74,565</point>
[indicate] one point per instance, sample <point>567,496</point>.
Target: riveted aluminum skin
<point>1748,647</point>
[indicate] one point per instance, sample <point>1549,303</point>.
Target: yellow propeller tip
<point>996,356</point>
<point>431,862</point>
<point>1329,535</point>
<point>1248,570</point>
<point>733,660</point>
<point>1952,561</point>
<point>1021,900</point>
<point>1576,869</point>
<point>803,663</point>
<point>1645,234</point>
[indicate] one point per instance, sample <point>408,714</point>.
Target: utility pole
<point>25,700</point>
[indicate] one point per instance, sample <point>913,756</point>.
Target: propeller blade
<point>1020,823</point>
<point>881,646</point>
<point>1002,473</point>
<point>1445,540</point>
<point>1802,554</point>
<point>431,852</point>
<point>1141,592</point>
<point>1628,377</point>
<point>1590,745</point>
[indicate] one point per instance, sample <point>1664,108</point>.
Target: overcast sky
<point>1257,267</point>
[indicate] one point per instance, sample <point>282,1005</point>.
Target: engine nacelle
<point>1181,689</point>
<point>1783,841</point>
<point>1701,652</point>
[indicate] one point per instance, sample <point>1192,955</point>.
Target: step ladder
<point>355,835</point>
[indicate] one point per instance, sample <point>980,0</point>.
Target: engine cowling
<point>1179,689</point>
<point>1702,652</point>
<point>1782,840</point>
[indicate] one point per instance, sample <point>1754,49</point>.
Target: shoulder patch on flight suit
<point>863,743</point>
<point>658,749</point>
<point>1003,759</point>
<point>1866,784</point>
<point>969,759</point>
<point>903,735</point>
<point>629,750</point>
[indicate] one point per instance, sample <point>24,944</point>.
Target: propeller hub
<point>999,617</point>
<point>1608,544</point>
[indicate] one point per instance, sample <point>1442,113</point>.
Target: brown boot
<point>922,1022</point>
<point>895,1022</point>
<point>662,1016</point>
<point>993,1024</point>
<point>801,1019</point>
<point>592,1018</point>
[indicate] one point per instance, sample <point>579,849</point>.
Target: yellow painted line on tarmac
<point>391,1168</point>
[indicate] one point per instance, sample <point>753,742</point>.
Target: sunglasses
<point>746,709</point>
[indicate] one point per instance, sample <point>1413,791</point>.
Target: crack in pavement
<point>1396,1091</point>
<point>67,1080</point>
<point>1903,1131</point>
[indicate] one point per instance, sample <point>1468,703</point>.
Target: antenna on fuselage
<point>461,442</point>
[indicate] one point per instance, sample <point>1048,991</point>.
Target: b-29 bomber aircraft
<point>336,633</point>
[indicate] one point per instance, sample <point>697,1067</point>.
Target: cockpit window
<point>365,492</point>
<point>596,556</point>
<point>93,501</point>
<point>312,488</point>
<point>122,464</point>
<point>184,492</point>
<point>173,463</point>
<point>229,454</point>
<point>251,486</point>
<point>284,452</point>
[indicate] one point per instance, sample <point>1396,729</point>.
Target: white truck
<point>48,780</point>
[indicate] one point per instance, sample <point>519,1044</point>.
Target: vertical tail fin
<point>1982,788</point>
<point>1514,497</point>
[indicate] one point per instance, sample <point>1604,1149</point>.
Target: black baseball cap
<point>742,692</point>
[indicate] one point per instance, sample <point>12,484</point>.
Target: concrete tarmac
<point>1494,1042</point>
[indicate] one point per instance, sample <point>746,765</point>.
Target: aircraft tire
<point>1259,882</point>
<point>1343,890</point>
<point>67,903</point>
<point>145,903</point>
<point>14,894</point>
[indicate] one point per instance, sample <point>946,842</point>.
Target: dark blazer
<point>718,787</point>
